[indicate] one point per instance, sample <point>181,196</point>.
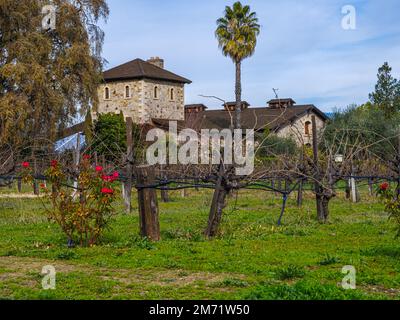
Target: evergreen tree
<point>110,136</point>
<point>88,128</point>
<point>387,92</point>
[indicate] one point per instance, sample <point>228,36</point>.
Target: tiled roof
<point>253,118</point>
<point>139,69</point>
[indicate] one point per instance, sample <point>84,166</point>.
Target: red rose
<point>86,157</point>
<point>116,175</point>
<point>54,163</point>
<point>99,168</point>
<point>107,191</point>
<point>106,178</point>
<point>26,165</point>
<point>110,178</point>
<point>384,186</point>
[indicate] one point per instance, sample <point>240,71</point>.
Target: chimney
<point>281,103</point>
<point>231,106</point>
<point>195,108</point>
<point>156,61</point>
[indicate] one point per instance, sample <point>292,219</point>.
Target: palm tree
<point>237,35</point>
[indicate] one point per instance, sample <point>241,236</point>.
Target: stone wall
<point>297,129</point>
<point>142,106</point>
<point>131,107</point>
<point>163,107</point>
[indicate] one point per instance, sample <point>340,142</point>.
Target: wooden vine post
<point>301,182</point>
<point>35,181</point>
<point>317,177</point>
<point>129,167</point>
<point>19,185</point>
<point>76,159</point>
<point>164,193</point>
<point>148,205</point>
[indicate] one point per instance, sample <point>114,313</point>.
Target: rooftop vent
<point>281,103</point>
<point>195,108</point>
<point>231,106</point>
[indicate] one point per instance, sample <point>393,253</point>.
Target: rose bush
<point>83,214</point>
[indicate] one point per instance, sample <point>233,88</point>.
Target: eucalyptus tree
<point>48,76</point>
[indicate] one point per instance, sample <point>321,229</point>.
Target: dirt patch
<point>20,267</point>
<point>375,289</point>
<point>20,196</point>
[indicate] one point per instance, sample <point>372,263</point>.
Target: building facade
<point>151,95</point>
<point>143,90</point>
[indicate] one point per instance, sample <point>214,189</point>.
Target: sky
<point>302,50</point>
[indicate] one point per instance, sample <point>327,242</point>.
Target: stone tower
<point>143,90</point>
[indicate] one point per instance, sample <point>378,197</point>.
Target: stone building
<point>143,90</point>
<point>151,95</point>
<point>282,117</point>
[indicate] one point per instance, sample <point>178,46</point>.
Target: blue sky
<point>302,50</point>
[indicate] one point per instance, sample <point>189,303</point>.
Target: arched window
<point>171,95</point>
<point>127,92</point>
<point>107,93</point>
<point>155,92</point>
<point>307,128</point>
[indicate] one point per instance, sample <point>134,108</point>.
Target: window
<point>127,92</point>
<point>107,93</point>
<point>171,95</point>
<point>155,92</point>
<point>308,128</point>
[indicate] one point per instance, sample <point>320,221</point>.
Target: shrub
<point>328,260</point>
<point>84,213</point>
<point>110,136</point>
<point>290,272</point>
<point>391,201</point>
<point>272,146</point>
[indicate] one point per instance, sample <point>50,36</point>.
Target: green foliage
<point>144,243</point>
<point>303,290</point>
<point>391,200</point>
<point>387,92</point>
<point>328,260</point>
<point>88,129</point>
<point>67,255</point>
<point>365,126</point>
<point>237,35</point>
<point>237,32</point>
<point>271,145</point>
<point>110,136</point>
<point>47,77</point>
<point>181,267</point>
<point>290,272</point>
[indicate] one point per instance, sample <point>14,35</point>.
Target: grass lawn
<point>251,259</point>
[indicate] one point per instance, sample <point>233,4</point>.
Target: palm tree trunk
<point>238,91</point>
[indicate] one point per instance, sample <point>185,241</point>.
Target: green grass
<point>252,258</point>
